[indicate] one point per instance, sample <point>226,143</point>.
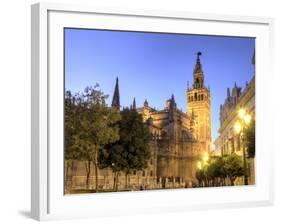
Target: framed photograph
<point>138,111</point>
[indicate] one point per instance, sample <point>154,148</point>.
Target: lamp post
<point>205,158</point>
<point>201,164</point>
<point>242,122</point>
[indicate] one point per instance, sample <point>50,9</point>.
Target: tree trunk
<point>232,181</point>
<point>66,175</point>
<point>96,170</point>
<point>117,175</point>
<point>126,180</point>
<point>220,181</point>
<point>88,170</point>
<point>68,180</point>
<point>96,176</point>
<point>114,180</point>
<point>72,165</point>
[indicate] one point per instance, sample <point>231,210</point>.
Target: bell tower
<point>199,106</point>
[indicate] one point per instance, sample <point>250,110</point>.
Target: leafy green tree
<point>69,128</point>
<point>132,151</point>
<point>71,124</point>
<point>200,176</point>
<point>94,127</point>
<point>212,172</point>
<point>221,172</point>
<point>233,166</point>
<point>69,132</point>
<point>216,170</point>
<point>250,139</point>
<point>111,157</point>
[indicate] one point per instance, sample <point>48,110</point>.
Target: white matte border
<point>52,203</point>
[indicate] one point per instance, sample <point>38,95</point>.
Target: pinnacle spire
<point>198,66</point>
<point>134,104</point>
<point>116,96</point>
<point>172,108</point>
<point>198,76</point>
<point>145,103</point>
<point>228,93</point>
<point>173,98</point>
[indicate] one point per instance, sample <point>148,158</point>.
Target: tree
<point>69,131</point>
<point>200,175</point>
<point>111,157</point>
<point>218,171</point>
<point>250,139</point>
<point>132,151</point>
<point>212,172</point>
<point>95,126</point>
<point>233,166</point>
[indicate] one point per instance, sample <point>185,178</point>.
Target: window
<point>143,173</point>
<point>151,173</point>
<point>135,172</point>
<point>195,96</point>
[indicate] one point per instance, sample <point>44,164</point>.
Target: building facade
<point>178,140</point>
<point>228,140</point>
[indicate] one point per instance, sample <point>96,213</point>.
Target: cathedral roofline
<point>247,92</point>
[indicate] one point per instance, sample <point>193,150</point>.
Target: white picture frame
<point>48,201</point>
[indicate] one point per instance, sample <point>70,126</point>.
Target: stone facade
<point>228,141</point>
<point>178,141</point>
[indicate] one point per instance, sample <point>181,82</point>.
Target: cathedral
<point>178,139</point>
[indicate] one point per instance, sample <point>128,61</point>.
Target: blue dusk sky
<point>154,66</point>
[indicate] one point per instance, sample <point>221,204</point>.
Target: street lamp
<point>199,165</point>
<point>241,113</point>
<point>237,127</point>
<point>205,158</point>
<point>242,122</point>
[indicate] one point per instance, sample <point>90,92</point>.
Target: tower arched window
<point>197,82</point>
<point>195,96</point>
